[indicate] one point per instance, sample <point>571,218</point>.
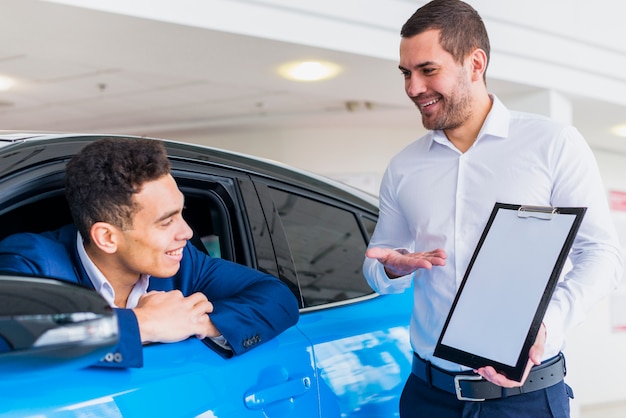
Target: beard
<point>454,108</point>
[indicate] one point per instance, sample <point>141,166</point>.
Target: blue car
<point>348,355</point>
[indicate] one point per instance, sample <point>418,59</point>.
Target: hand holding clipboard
<point>517,263</point>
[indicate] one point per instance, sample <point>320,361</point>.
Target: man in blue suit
<point>130,243</point>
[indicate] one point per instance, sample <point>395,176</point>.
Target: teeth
<point>430,103</point>
<point>177,252</point>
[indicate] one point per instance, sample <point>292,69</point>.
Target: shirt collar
<point>102,285</point>
<point>496,125</point>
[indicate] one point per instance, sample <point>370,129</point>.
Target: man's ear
<point>478,61</point>
<point>104,236</point>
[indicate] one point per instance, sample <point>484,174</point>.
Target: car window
<point>327,246</point>
<point>214,216</point>
<point>36,206</point>
<point>204,219</point>
<point>369,227</point>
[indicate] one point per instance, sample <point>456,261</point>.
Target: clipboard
<point>498,309</point>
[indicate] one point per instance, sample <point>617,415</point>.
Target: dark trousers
<point>418,400</point>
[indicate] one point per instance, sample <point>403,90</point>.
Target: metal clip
<point>539,212</point>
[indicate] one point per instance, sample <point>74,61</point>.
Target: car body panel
<point>183,379</point>
<point>362,352</point>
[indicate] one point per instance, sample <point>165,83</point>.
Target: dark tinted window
<point>214,216</point>
<point>369,227</point>
<point>327,247</point>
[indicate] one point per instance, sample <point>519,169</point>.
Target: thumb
<point>376,252</point>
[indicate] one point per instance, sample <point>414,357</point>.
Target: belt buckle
<point>457,386</point>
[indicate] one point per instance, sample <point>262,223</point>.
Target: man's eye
<point>406,74</point>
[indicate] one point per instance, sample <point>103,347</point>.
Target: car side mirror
<point>46,323</point>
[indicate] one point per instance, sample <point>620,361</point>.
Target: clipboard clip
<point>538,212</point>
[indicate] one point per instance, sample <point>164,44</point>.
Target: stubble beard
<point>455,109</point>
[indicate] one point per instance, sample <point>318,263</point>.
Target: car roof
<point>21,149</point>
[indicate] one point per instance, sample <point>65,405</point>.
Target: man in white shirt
<point>436,197</point>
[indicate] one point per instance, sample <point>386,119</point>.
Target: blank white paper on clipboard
<point>507,287</point>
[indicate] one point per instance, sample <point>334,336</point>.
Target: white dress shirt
<point>433,196</point>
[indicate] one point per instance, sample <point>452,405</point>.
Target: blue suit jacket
<point>250,307</point>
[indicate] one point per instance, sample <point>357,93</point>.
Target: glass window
<point>327,247</point>
<point>370,225</point>
<point>210,213</point>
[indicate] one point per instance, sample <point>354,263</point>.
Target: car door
<point>360,339</point>
<point>184,379</point>
<point>277,378</point>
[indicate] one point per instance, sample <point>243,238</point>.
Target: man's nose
<point>414,86</point>
<point>185,232</point>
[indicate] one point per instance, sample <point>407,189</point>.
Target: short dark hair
<point>461,29</point>
<point>102,178</point>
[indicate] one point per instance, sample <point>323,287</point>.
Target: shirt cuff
<point>221,341</point>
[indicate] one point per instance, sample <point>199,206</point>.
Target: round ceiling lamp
<point>309,70</point>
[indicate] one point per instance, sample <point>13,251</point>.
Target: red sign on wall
<point>617,200</point>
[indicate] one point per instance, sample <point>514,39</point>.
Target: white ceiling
<point>90,71</point>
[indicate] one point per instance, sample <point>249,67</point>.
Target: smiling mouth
<point>175,253</point>
<point>429,103</point>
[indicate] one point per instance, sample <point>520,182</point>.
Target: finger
<point>536,354</point>
<point>486,372</point>
<point>436,257</point>
<point>197,297</point>
<point>376,252</point>
<point>491,375</point>
<point>202,308</point>
<point>439,253</point>
<point>205,328</point>
<point>149,297</point>
<point>151,293</point>
<point>175,292</point>
<point>422,264</point>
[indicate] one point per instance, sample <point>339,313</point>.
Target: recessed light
<point>6,83</point>
<point>309,70</point>
<point>619,130</point>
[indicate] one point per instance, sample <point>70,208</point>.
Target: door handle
<point>258,399</point>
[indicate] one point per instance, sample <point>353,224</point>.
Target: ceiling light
<point>6,83</point>
<point>619,130</point>
<point>309,70</point>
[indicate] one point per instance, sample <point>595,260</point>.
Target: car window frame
<point>258,248</point>
<point>286,264</point>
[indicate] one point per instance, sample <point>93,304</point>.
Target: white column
<point>545,102</point>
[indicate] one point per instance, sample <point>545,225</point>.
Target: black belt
<point>468,386</point>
